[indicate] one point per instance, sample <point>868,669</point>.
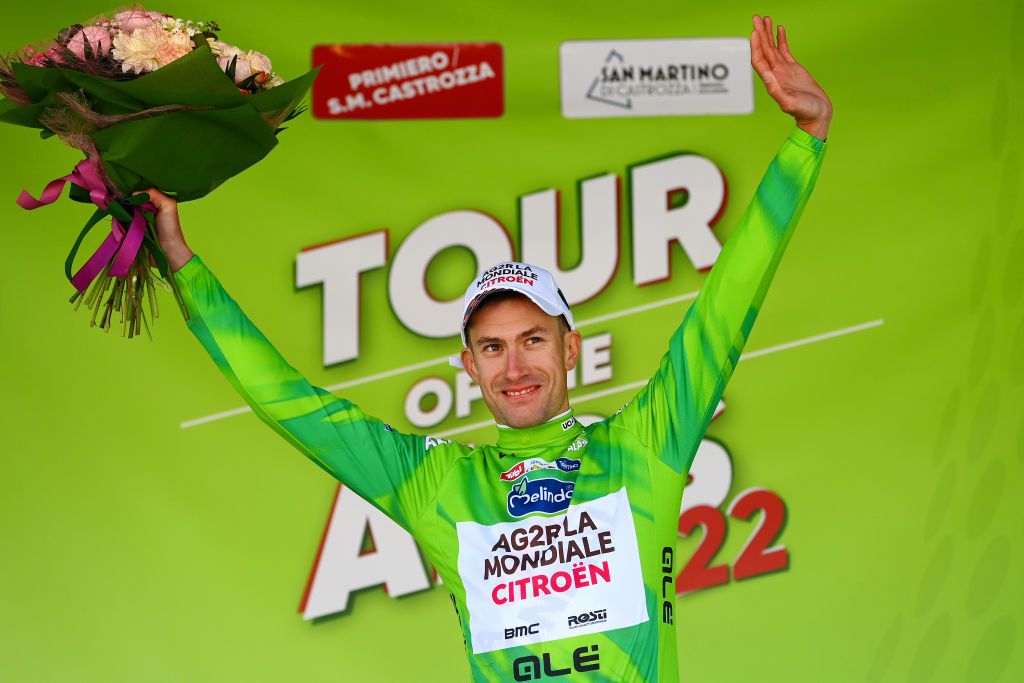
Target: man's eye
<point>491,348</point>
<point>534,340</point>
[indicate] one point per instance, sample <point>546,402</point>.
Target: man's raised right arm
<point>394,471</point>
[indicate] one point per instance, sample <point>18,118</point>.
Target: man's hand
<point>168,229</point>
<point>789,84</point>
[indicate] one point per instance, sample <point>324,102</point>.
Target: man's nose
<point>515,364</point>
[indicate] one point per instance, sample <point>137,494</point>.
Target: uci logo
<point>528,668</point>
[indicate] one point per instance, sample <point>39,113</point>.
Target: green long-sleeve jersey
<point>556,543</point>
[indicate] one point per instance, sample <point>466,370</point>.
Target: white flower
<point>148,49</point>
<point>172,25</point>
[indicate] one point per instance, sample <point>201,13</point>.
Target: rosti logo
<point>533,464</point>
<point>539,495</point>
<point>587,618</point>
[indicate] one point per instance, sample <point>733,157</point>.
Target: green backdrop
<point>135,550</point>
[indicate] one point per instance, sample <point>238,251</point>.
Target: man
<point>557,544</point>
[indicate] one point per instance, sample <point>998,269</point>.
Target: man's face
<point>519,356</point>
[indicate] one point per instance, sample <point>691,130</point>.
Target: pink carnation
<point>99,41</point>
<point>134,18</point>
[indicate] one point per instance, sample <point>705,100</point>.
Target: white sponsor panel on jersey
<point>612,78</point>
<point>545,578</point>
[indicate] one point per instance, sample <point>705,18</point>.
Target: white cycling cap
<point>535,283</point>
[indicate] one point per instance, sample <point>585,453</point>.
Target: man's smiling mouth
<point>515,393</point>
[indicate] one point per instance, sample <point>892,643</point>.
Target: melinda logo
<point>539,495</point>
<point>533,464</point>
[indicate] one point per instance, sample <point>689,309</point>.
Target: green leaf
<point>69,262</point>
<point>79,194</point>
<point>186,152</point>
<point>285,96</point>
<point>38,82</point>
<point>118,211</point>
<point>193,80</point>
<point>27,115</point>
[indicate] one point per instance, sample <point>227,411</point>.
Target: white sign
<point>655,225</point>
<point>545,578</point>
<point>614,78</point>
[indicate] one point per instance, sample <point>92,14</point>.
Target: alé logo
<point>533,464</point>
<point>539,495</point>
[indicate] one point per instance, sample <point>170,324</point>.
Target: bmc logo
<point>539,495</point>
<point>529,668</point>
<point>520,631</point>
<point>588,618</point>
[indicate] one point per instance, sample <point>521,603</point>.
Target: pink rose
<point>247,64</point>
<point>99,42</point>
<point>259,62</point>
<point>131,19</point>
<point>224,52</point>
<point>51,54</point>
<point>242,70</point>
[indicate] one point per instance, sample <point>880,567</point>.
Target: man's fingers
<point>784,46</point>
<point>161,201</point>
<point>769,29</point>
<point>757,58</point>
<point>767,45</point>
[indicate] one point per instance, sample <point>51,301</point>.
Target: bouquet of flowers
<point>152,101</point>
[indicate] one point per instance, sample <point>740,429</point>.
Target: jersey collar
<point>562,428</point>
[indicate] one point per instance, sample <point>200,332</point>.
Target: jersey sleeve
<point>398,473</point>
<point>670,414</point>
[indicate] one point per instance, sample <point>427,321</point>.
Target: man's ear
<point>572,342</point>
<point>468,364</point>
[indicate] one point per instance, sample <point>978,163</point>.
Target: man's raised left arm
<point>672,412</point>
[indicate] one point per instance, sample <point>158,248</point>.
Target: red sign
<point>427,81</point>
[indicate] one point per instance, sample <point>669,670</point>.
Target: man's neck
<point>560,429</point>
<point>561,415</point>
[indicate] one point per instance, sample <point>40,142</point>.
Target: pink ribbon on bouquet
<point>121,246</point>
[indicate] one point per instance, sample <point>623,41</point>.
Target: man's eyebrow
<point>481,341</point>
<point>543,329</point>
<point>534,330</point>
